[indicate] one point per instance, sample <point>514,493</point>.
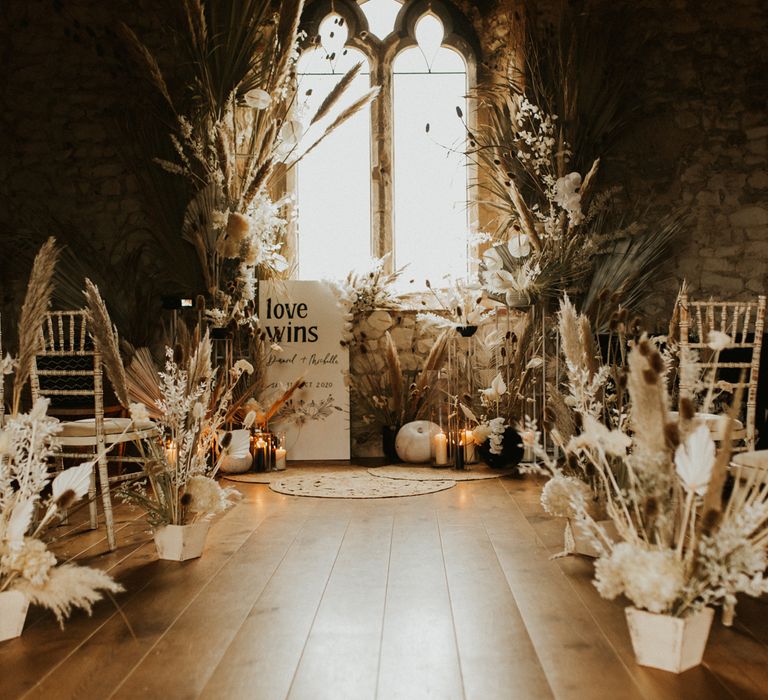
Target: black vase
<point>511,451</point>
<point>388,435</point>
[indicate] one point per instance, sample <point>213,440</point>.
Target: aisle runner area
<point>417,473</point>
<point>356,485</point>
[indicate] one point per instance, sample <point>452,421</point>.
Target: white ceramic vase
<point>13,613</point>
<point>181,542</point>
<point>669,643</point>
<point>577,541</point>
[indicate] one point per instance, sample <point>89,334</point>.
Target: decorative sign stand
<point>305,319</point>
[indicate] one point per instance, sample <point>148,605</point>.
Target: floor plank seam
<point>317,609</point>
<point>450,605</point>
<point>384,608</point>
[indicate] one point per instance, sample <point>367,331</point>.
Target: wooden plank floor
<point>449,595</point>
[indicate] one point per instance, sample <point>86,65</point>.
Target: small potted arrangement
<point>29,572</point>
<point>685,545</point>
<point>179,494</point>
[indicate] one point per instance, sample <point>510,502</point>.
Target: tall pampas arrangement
<point>36,303</point>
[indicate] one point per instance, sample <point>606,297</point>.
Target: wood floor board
<point>341,656</point>
<point>261,660</point>
<point>419,656</point>
<point>204,631</point>
<point>498,659</point>
<point>109,651</point>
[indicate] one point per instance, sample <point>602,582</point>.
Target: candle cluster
<point>268,451</point>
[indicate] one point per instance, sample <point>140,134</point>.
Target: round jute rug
<point>411,472</point>
<point>263,477</point>
<point>357,485</point>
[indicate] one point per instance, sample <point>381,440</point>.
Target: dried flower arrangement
<point>241,131</point>
<point>390,395</point>
<point>684,542</point>
<point>190,412</point>
<point>27,444</point>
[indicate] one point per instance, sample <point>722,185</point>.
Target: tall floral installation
<point>237,137</point>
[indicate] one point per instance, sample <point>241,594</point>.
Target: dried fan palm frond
<point>142,380</point>
<point>33,311</point>
<point>287,29</point>
<point>106,338</point>
<point>338,90</point>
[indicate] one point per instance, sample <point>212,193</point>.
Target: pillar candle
<point>469,447</point>
<point>441,449</point>
<point>280,453</point>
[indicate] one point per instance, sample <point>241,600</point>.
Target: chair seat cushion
<point>83,432</point>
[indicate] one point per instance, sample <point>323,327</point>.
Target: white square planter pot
<point>181,542</point>
<point>13,613</point>
<point>577,541</point>
<point>670,643</point>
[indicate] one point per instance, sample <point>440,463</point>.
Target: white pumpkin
<point>414,440</point>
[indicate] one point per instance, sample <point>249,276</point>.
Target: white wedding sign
<point>305,320</point>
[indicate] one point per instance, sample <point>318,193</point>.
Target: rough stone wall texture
<point>700,135</point>
<point>701,138</point>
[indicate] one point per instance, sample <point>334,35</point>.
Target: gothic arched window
<point>393,179</point>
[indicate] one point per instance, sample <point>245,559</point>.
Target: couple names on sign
<point>305,320</point>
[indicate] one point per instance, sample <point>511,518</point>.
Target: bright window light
<point>430,174</point>
<point>381,16</point>
<point>333,183</point>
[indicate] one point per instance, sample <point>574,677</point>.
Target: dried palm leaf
<point>142,381</point>
<point>395,373</point>
<point>105,336</point>
<point>277,405</point>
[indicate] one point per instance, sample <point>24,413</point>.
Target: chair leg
<point>107,502</point>
<point>92,501</point>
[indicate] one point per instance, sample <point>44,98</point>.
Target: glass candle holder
<point>262,451</point>
<point>281,452</point>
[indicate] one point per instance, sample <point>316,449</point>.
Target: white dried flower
<point>206,496</point>
<point>561,494</point>
<point>717,340</point>
<point>31,560</point>
<point>257,98</point>
<point>75,479</point>
<point>139,413</point>
<point>243,366</point>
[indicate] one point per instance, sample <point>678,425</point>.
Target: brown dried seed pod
<point>621,380</point>
<point>710,520</point>
<point>687,409</point>
<point>651,507</point>
<point>644,347</point>
<point>656,362</point>
<point>186,499</point>
<point>650,376</point>
<point>672,435</point>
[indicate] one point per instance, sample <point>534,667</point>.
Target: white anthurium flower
<point>694,460</point>
<point>7,365</point>
<point>519,246</point>
<point>258,98</point>
<point>75,479</point>
<point>497,389</point>
<point>534,363</point>
<point>19,521</point>
<point>717,340</point>
<point>475,316</point>
<point>291,132</point>
<point>492,260</point>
